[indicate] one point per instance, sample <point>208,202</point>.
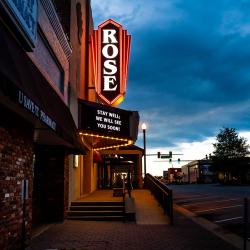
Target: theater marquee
<point>116,126</point>
<point>110,49</point>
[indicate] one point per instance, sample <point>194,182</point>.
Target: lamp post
<point>144,127</point>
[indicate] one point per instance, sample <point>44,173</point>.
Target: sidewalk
<point>148,233</point>
<point>148,212</point>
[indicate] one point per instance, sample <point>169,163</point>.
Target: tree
<point>229,145</point>
<point>229,155</point>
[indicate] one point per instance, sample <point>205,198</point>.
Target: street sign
<point>164,156</point>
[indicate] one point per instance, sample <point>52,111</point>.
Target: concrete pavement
<point>148,211</point>
<point>146,234</point>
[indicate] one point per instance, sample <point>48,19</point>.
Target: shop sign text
<point>108,120</point>
<point>32,107</point>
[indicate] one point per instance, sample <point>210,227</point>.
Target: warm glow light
<point>76,161</point>
<point>115,146</point>
<point>118,101</point>
<point>102,136</point>
<point>144,126</point>
<point>127,141</point>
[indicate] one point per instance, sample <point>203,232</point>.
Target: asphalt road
<point>222,205</point>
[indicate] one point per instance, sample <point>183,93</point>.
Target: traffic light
<point>158,154</point>
<point>170,160</point>
<point>170,154</point>
<point>179,160</point>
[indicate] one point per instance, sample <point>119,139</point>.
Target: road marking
<point>197,198</point>
<point>203,198</point>
<point>235,218</point>
<point>181,196</point>
<point>217,208</point>
<point>210,201</point>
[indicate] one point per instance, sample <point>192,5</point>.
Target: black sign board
<point>21,17</point>
<point>104,120</point>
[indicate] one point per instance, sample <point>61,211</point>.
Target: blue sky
<point>189,72</point>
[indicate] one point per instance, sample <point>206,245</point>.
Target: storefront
<point>37,131</point>
<point>125,161</point>
<point>104,128</point>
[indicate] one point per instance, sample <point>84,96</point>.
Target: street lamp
<point>144,127</point>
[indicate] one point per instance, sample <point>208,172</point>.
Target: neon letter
<point>109,36</point>
<point>109,80</point>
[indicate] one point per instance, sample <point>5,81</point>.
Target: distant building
<point>198,172</point>
<point>241,175</point>
<point>173,175</point>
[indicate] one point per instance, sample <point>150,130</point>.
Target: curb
<point>232,239</point>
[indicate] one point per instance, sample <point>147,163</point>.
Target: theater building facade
<point>103,128</point>
<point>60,135</point>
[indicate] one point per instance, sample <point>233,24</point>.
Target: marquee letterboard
<point>104,120</point>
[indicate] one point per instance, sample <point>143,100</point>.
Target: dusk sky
<point>189,72</point>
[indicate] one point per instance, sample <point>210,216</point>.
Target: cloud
<point>166,128</point>
<point>189,68</point>
<point>113,9</point>
<point>185,151</point>
<point>236,20</point>
<point>138,13</point>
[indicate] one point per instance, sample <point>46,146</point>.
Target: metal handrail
<point>162,193</point>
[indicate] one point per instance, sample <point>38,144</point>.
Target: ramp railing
<point>162,193</point>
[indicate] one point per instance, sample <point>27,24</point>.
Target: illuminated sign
<point>110,49</point>
<point>104,120</point>
<point>23,14</point>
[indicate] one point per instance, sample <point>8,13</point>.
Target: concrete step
<point>97,203</point>
<point>95,213</point>
<point>96,208</point>
<point>97,218</point>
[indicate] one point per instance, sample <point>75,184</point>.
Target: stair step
<point>95,213</point>
<point>96,218</point>
<point>96,203</point>
<point>95,208</point>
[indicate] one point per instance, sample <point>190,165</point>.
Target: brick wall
<point>16,155</point>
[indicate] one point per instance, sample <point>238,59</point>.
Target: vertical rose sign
<point>110,46</point>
